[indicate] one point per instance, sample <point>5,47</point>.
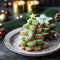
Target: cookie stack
<point>46,27</point>
<point>34,33</point>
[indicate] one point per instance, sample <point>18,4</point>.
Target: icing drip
<point>43,19</point>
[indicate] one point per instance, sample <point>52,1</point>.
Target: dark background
<point>44,3</point>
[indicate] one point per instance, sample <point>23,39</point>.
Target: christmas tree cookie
<point>46,27</point>
<point>35,31</point>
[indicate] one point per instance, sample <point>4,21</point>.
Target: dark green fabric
<point>57,26</point>
<point>13,24</point>
<point>50,12</point>
<point>10,25</point>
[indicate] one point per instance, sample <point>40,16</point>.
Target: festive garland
<point>10,25</point>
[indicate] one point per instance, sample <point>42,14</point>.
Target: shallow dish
<point>12,39</point>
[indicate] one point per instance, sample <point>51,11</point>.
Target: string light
<point>0,24</point>
<point>2,11</point>
<point>21,16</point>
<point>17,17</point>
<point>5,0</point>
<point>9,3</point>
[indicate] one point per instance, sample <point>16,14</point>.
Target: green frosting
<point>38,35</point>
<point>25,30</point>
<point>46,28</point>
<point>23,36</point>
<point>39,40</point>
<point>28,47</point>
<point>47,23</point>
<point>40,29</point>
<point>26,37</point>
<point>32,26</point>
<point>34,21</point>
<point>28,31</point>
<point>23,46</point>
<point>37,46</point>
<point>32,42</point>
<point>30,20</point>
<point>26,24</point>
<point>23,41</point>
<point>45,33</point>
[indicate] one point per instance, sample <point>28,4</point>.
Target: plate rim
<point>14,50</point>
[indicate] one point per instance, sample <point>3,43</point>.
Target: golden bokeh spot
<point>5,0</point>
<point>9,3</point>
<point>2,11</point>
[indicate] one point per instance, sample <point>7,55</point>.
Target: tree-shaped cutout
<point>36,30</point>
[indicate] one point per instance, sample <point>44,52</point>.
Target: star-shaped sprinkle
<point>33,16</point>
